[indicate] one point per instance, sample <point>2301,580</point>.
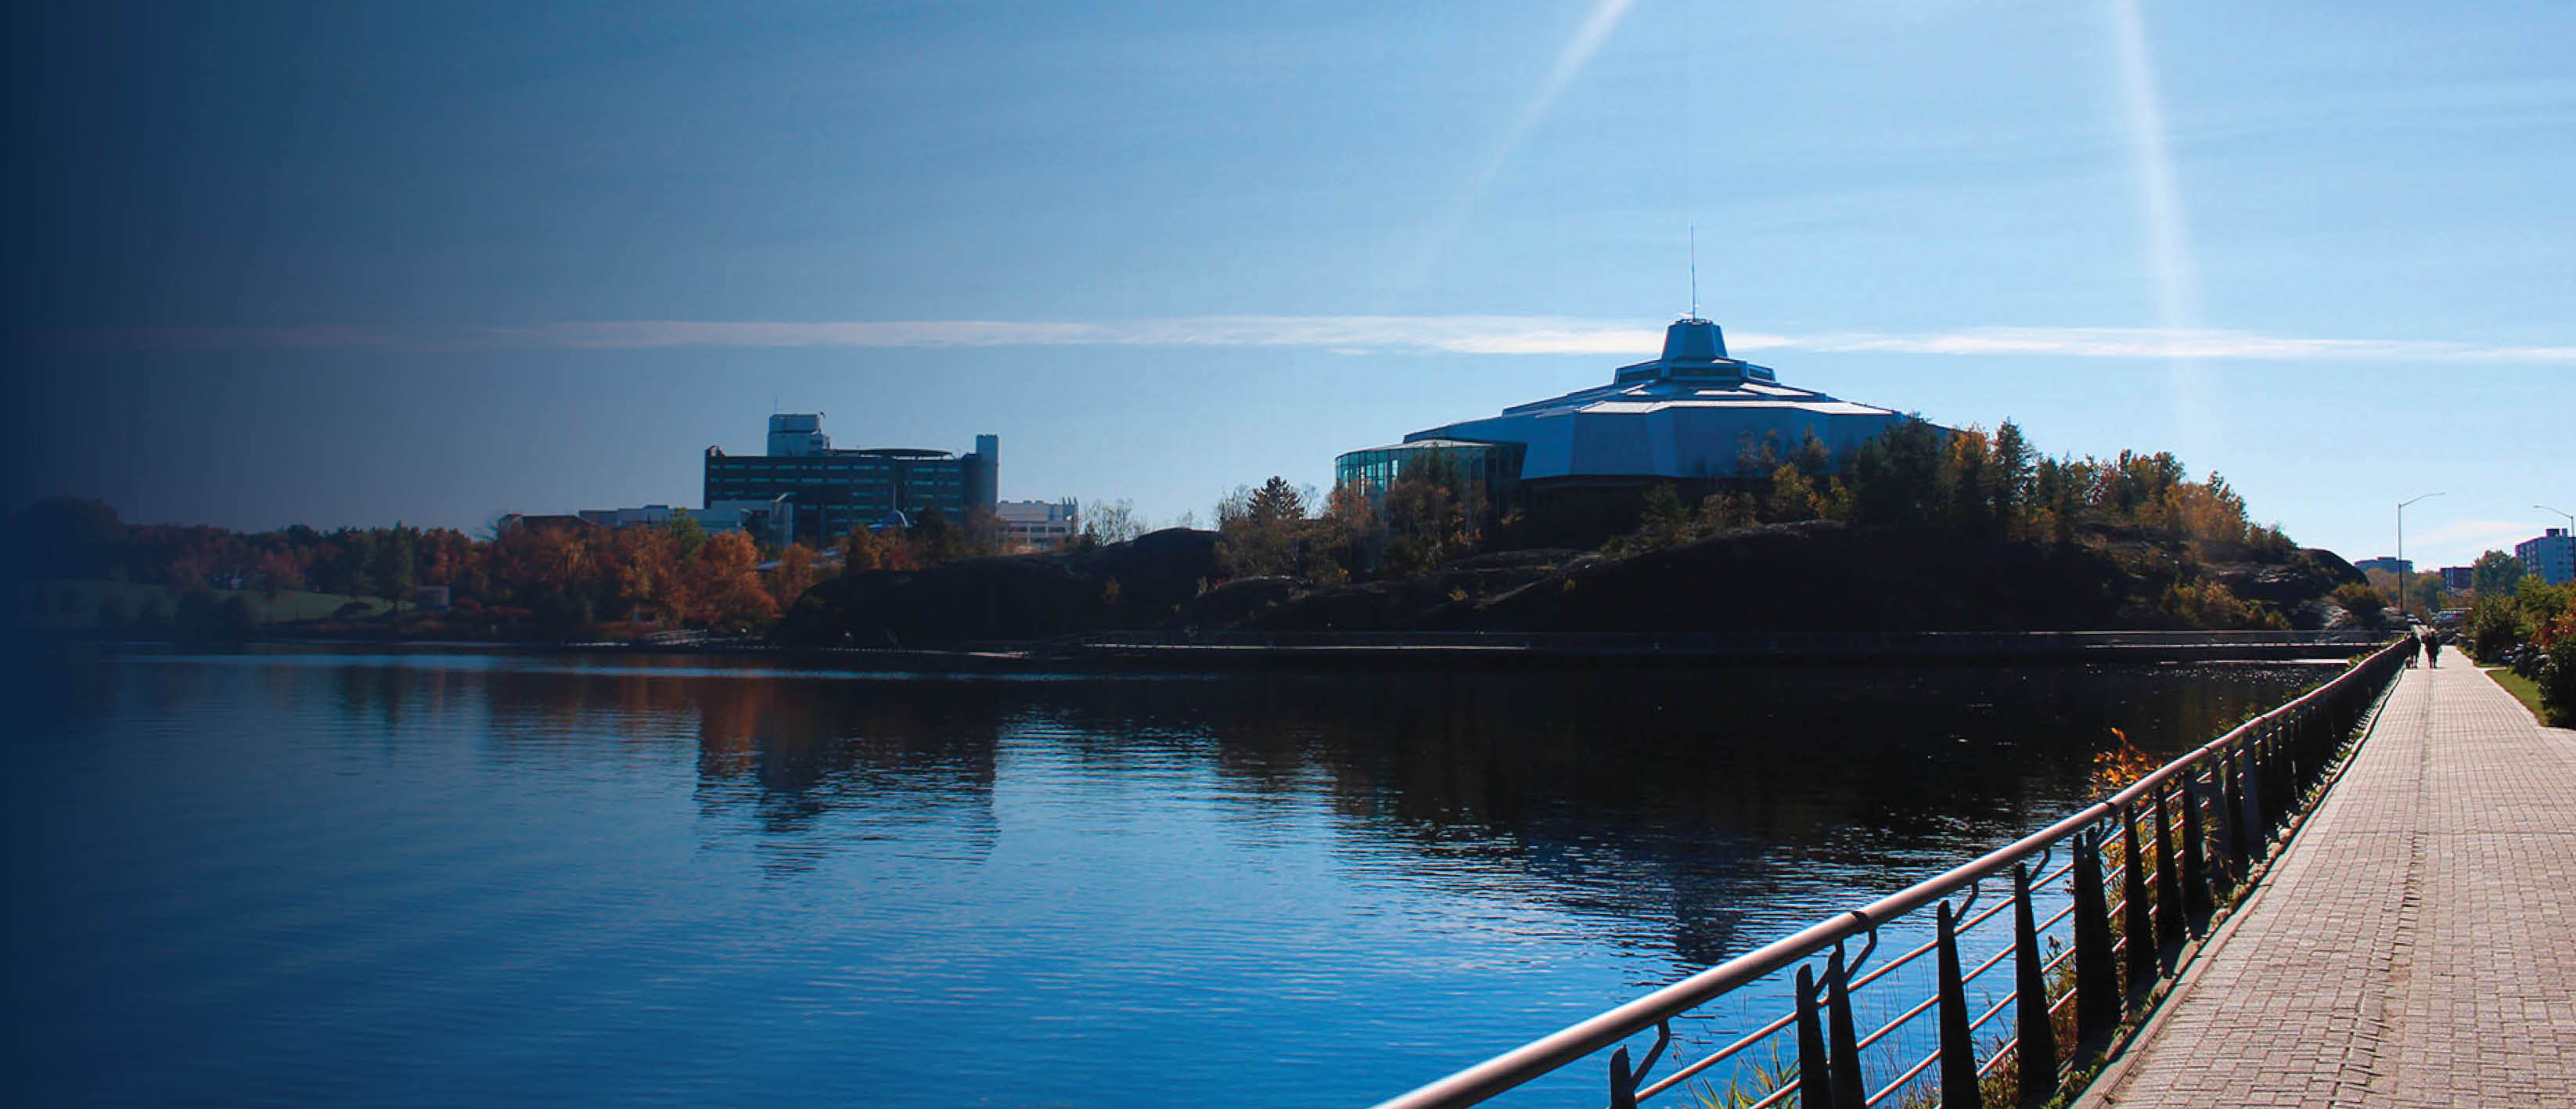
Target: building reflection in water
<point>1683,807</point>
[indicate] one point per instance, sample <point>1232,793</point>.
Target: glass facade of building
<point>1497,466</point>
<point>832,492</point>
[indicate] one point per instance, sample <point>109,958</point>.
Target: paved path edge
<point>2103,1091</point>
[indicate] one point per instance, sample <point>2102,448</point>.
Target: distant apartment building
<point>2552,556</point>
<point>807,488</point>
<point>1045,525</point>
<point>2459,579</point>
<point>2387,565</point>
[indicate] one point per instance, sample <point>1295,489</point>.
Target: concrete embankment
<point>1237,651</point>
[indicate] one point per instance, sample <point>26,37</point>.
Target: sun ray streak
<point>2169,260</point>
<point>1570,62</point>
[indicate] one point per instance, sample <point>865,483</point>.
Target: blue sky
<point>347,264</point>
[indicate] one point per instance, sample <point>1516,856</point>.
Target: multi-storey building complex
<point>807,488</point>
<point>2552,556</point>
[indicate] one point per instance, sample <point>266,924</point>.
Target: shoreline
<point>1229,652</point>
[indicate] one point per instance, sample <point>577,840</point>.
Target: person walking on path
<point>2432,644</point>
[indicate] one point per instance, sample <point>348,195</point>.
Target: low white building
<point>1044,525</point>
<point>721,518</point>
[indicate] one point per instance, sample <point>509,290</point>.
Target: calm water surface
<point>456,877</point>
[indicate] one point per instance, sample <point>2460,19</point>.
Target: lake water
<point>447,877</point>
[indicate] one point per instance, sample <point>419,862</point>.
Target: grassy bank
<point>2523,689</point>
<point>70,604</point>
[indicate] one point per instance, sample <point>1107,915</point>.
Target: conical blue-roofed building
<point>1691,414</point>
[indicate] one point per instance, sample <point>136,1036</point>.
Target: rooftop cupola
<point>1694,357</point>
<point>1692,339</point>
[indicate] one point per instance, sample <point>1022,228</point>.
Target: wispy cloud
<point>1493,335</point>
<point>2472,535</point>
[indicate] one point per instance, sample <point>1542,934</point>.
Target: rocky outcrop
<point>1815,576</point>
<point>1137,584</point>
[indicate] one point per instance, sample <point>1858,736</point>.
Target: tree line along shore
<point>1923,528</point>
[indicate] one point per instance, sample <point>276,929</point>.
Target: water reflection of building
<point>1667,822</point>
<point>1692,413</point>
<point>795,757</point>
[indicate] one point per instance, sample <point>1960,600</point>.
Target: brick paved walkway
<point>2416,946</point>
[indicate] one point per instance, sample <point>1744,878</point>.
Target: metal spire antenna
<point>1693,272</point>
<point>1694,259</point>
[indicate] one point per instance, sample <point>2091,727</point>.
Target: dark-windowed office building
<point>806,488</point>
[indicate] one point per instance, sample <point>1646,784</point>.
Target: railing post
<point>2035,1060</point>
<point>2169,912</point>
<point>1958,1045</point>
<point>1623,1082</point>
<point>2139,925</point>
<point>1815,1091</point>
<point>1845,1062</point>
<point>2285,770</point>
<point>2311,751</point>
<point>2097,974</point>
<point>2195,866</point>
<point>2267,767</point>
<point>2240,861</point>
<point>2249,774</point>
<point>2222,813</point>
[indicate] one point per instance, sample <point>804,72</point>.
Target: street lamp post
<point>2571,516</point>
<point>2401,549</point>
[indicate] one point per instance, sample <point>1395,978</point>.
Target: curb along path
<point>2416,946</point>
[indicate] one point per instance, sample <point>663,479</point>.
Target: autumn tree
<point>395,565</point>
<point>277,573</point>
<point>729,592</point>
<point>1263,532</point>
<point>1107,522</point>
<point>866,548</point>
<point>651,580</point>
<point>1793,496</point>
<point>1345,535</point>
<point>688,534</point>
<point>794,574</point>
<point>934,540</point>
<point>1433,512</point>
<point>1664,520</point>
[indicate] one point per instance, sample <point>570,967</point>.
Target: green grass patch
<point>80,604</point>
<point>2523,689</point>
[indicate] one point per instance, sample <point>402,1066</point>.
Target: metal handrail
<point>1553,1051</point>
<point>1706,640</point>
